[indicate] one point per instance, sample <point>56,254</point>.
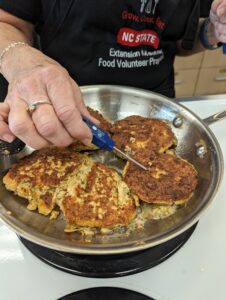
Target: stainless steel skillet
<point>196,143</point>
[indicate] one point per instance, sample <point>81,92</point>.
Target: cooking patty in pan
<point>36,176</point>
<point>169,180</point>
<point>89,193</point>
<point>143,138</point>
<point>95,196</point>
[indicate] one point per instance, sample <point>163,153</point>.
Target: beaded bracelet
<point>204,38</point>
<point>8,48</point>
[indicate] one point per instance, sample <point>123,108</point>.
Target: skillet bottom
<point>109,266</point>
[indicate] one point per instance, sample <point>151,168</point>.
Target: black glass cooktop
<point>108,266</point>
<point>103,293</point>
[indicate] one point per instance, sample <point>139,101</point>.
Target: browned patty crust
<point>95,196</point>
<point>169,180</point>
<point>36,176</point>
<point>104,123</point>
<point>89,193</point>
<point>143,138</point>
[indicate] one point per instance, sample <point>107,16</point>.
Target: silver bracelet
<point>7,49</point>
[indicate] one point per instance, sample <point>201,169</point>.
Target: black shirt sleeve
<point>201,9</point>
<point>28,10</point>
<point>188,39</point>
<point>205,7</point>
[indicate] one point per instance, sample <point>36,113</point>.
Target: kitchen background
<point>201,74</point>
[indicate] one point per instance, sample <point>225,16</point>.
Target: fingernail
<point>8,138</point>
<point>87,142</point>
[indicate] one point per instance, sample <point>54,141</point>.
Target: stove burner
<point>108,266</point>
<point>103,293</point>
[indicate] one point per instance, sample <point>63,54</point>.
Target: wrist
<point>7,54</point>
<point>211,34</point>
<point>12,59</point>
<point>22,59</point>
<point>207,35</point>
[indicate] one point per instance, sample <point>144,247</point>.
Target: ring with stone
<point>33,105</point>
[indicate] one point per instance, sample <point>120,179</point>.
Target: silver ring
<point>33,105</point>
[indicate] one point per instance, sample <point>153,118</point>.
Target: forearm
<point>21,57</point>
<point>198,47</point>
<point>8,35</point>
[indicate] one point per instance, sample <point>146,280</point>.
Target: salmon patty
<point>95,196</point>
<point>143,138</point>
<point>169,180</point>
<point>36,176</point>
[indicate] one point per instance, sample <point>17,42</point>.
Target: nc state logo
<point>149,6</point>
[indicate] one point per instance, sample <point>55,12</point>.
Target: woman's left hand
<point>218,19</point>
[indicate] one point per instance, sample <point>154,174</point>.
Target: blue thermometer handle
<point>100,138</point>
<point>224,48</point>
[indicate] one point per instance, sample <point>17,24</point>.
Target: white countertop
<point>196,272</point>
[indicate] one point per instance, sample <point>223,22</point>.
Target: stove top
<point>103,293</point>
<point>108,266</point>
<point>196,272</point>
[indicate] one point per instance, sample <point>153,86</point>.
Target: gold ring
<point>33,105</point>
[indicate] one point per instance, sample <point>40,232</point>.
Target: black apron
<point>123,42</point>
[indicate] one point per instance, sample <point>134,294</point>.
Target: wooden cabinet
<point>201,74</point>
<point>214,58</point>
<point>211,81</point>
<point>185,82</point>
<point>188,62</point>
<point>186,74</point>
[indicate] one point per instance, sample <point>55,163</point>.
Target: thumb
<point>4,110</point>
<point>5,133</point>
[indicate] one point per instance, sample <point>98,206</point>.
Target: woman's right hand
<point>5,132</point>
<point>35,77</point>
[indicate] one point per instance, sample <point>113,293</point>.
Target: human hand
<point>218,19</point>
<point>6,134</point>
<point>41,78</point>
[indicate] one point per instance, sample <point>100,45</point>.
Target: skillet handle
<point>215,118</point>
